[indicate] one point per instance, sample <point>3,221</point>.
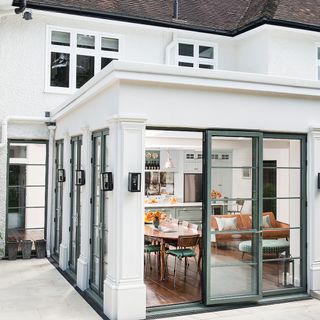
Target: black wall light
<point>106,181</point>
<point>80,178</point>
<point>61,175</point>
<point>318,180</point>
<point>134,182</point>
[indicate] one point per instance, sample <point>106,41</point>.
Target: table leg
<point>162,260</point>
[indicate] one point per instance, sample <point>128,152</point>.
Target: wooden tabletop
<point>170,231</point>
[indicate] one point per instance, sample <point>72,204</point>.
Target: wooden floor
<point>188,288</point>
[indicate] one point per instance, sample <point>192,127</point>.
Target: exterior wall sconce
<point>106,181</point>
<point>318,180</point>
<point>134,182</point>
<point>61,175</point>
<point>80,178</point>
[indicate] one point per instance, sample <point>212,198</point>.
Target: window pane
<point>109,44</point>
<point>105,62</point>
<point>85,69</point>
<point>318,72</point>
<point>186,64</point>
<point>318,53</point>
<point>205,52</point>
<point>18,151</point>
<point>205,66</point>
<point>60,38</point>
<point>85,41</point>
<point>186,50</point>
<point>60,69</point>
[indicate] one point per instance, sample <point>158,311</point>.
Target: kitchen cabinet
<point>192,162</point>
<point>192,215</point>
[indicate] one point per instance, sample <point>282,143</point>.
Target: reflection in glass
<point>186,50</point>
<point>60,69</point>
<point>85,41</point>
<point>205,52</point>
<point>109,44</point>
<point>185,64</point>
<point>85,69</point>
<point>60,38</point>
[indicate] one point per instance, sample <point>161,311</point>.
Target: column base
<point>63,257</point>
<point>125,301</point>
<point>82,273</point>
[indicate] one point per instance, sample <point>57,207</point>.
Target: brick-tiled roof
<point>220,16</point>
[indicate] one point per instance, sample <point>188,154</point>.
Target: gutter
<point>5,122</point>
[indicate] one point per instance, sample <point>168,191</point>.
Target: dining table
<point>167,233</point>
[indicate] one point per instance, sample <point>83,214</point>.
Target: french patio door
<point>233,256</point>
<point>99,221</point>
<point>75,216</point>
<point>58,200</point>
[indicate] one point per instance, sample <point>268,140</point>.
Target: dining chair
<point>151,248</point>
<point>185,223</point>
<point>186,249</point>
<point>239,206</point>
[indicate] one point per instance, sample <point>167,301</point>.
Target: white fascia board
<point>178,76</point>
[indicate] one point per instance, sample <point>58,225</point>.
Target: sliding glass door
<point>99,218</point>
<point>58,200</point>
<point>75,213</point>
<point>255,244</point>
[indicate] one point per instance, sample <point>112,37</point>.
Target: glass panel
<point>281,274</point>
<point>186,50</point>
<point>106,61</point>
<point>34,218</point>
<point>185,64</point>
<point>205,52</point>
<point>205,66</point>
<point>282,152</point>
<point>318,53</point>
<point>60,68</point>
<point>318,72</point>
<point>109,44</point>
<point>231,183</point>
<point>60,38</point>
<point>234,264</point>
<point>85,69</point>
<point>18,151</point>
<point>85,41</point>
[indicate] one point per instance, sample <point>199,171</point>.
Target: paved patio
<point>35,290</point>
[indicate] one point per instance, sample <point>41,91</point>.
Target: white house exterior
<point>260,84</point>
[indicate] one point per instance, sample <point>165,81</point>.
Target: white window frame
<point>196,60</point>
<point>317,62</point>
<point>73,50</point>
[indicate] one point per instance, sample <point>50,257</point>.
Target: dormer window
<point>196,55</point>
<point>76,56</point>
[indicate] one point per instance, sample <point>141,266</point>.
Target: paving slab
<point>33,289</point>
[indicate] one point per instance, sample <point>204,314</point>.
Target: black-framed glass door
<point>75,213</point>
<point>233,249</point>
<point>58,199</point>
<point>98,217</point>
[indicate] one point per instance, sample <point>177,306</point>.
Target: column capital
<point>130,118</point>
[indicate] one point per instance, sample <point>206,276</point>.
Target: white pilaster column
<point>85,214</point>
<point>124,288</point>
<point>313,209</point>
<point>65,241</point>
<point>50,203</point>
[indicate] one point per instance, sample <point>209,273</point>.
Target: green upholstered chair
<point>186,248</point>
<point>148,249</point>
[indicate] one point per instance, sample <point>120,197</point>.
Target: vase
<point>156,223</point>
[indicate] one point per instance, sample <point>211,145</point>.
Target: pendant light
<point>169,164</point>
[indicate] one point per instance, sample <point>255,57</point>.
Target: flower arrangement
<point>155,217</point>
<point>215,194</point>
